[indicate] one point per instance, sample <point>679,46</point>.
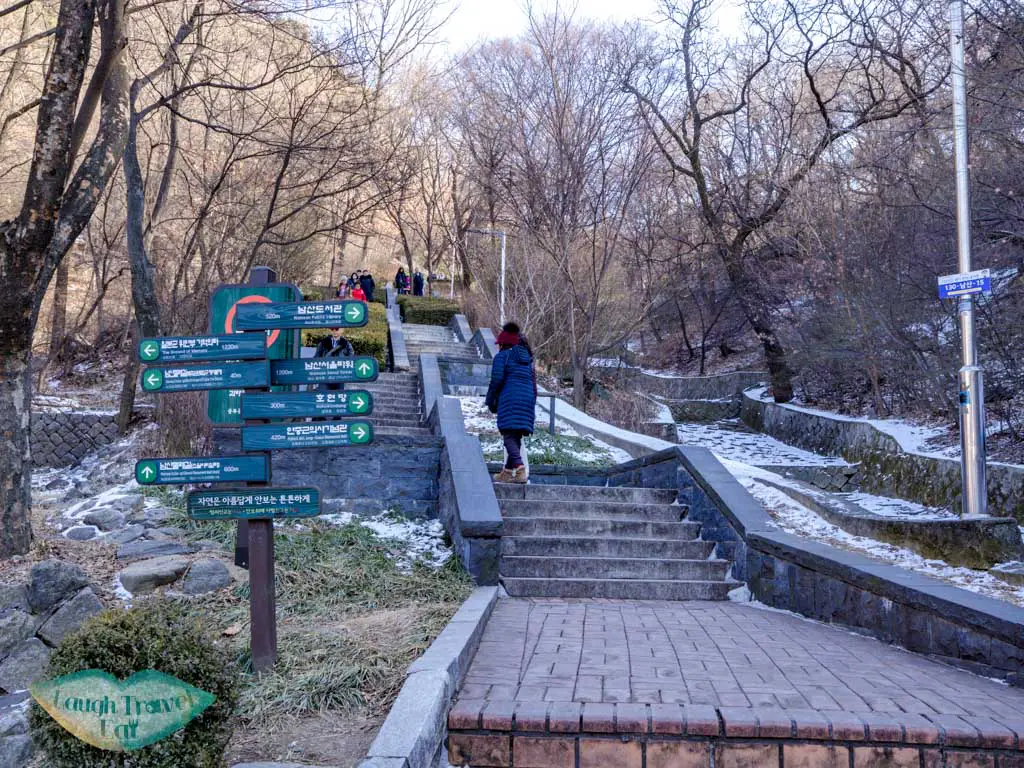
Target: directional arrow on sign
<point>358,402</point>
<point>354,312</point>
<point>145,472</point>
<point>360,433</point>
<point>152,380</point>
<point>150,350</point>
<point>365,369</point>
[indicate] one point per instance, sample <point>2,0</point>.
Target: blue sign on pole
<point>194,378</point>
<point>965,283</point>
<point>324,370</point>
<point>196,349</point>
<point>330,434</point>
<point>302,314</point>
<point>203,469</point>
<point>298,405</point>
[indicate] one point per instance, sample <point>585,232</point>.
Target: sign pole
<point>971,396</point>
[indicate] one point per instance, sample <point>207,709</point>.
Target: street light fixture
<point>501,234</point>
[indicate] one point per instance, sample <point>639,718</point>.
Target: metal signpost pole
<point>972,399</point>
<point>503,277</point>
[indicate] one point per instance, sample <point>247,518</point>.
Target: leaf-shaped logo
<point>120,715</point>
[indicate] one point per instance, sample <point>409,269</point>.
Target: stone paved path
<point>721,654</point>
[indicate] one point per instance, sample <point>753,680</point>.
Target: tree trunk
<point>129,384</point>
<point>15,422</point>
<point>58,320</point>
<point>147,309</point>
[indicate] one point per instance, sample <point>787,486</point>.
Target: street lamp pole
<point>971,396</point>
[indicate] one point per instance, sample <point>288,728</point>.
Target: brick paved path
<point>727,655</point>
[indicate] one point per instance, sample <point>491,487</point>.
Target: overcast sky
<point>475,20</point>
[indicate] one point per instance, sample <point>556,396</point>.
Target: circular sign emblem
<point>229,321</point>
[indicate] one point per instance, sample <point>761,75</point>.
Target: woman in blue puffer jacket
<point>513,396</point>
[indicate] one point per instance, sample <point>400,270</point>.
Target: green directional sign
<point>302,314</point>
<point>202,377</point>
<point>198,349</point>
<point>297,405</point>
<point>324,370</point>
<point>270,437</point>
<point>261,502</point>
<point>210,469</point>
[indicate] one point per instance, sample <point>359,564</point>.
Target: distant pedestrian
<point>512,395</point>
<point>357,293</point>
<point>335,345</point>
<point>342,292</point>
<point>367,284</point>
<point>400,281</point>
<point>417,284</point>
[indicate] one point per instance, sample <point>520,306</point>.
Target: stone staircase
<point>437,340</point>
<point>602,542</point>
<point>397,404</point>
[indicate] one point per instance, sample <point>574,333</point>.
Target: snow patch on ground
<point>419,541</point>
<point>798,520</point>
<point>883,506</point>
<point>734,443</point>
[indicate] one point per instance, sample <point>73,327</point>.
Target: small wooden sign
<point>121,716</point>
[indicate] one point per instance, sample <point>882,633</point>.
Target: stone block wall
<point>885,468</point>
<point>64,439</point>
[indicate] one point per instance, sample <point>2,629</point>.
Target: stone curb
<point>412,735</point>
<point>706,721</point>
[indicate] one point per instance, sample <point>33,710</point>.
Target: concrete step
<point>591,527</point>
<point>593,510</point>
<point>561,546</point>
<point>614,568</point>
<point>556,492</point>
<point>620,589</point>
<point>395,421</point>
<point>403,431</point>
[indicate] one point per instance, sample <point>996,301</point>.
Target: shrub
<point>316,294</point>
<point>155,634</point>
<point>371,339</point>
<point>427,310</point>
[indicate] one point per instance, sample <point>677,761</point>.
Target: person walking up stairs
<point>512,395</point>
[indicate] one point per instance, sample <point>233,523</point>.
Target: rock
<point>131,533</point>
<point>149,574</point>
<point>81,533</point>
<point>207,545</point>
<point>54,484</point>
<point>24,666</point>
<point>70,616</point>
<point>153,517</point>
<point>105,518</point>
<point>13,596</point>
<point>1010,572</point>
<point>172,531</point>
<point>206,576</point>
<point>15,626</point>
<point>274,765</point>
<point>133,502</point>
<point>16,751</point>
<point>13,718</point>
<point>140,548</point>
<point>51,582</point>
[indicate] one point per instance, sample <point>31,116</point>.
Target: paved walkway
<point>727,655</point>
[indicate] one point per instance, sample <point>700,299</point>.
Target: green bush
<point>370,340</point>
<point>155,634</point>
<point>314,294</point>
<point>427,310</point>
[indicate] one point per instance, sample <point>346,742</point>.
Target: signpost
<point>202,349</point>
<point>324,370</point>
<point>328,434</point>
<point>200,378</point>
<point>965,284</point>
<point>277,503</point>
<point>209,469</point>
<point>298,405</point>
<point>260,306</point>
<point>307,314</point>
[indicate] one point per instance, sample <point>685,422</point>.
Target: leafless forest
<point>782,198</point>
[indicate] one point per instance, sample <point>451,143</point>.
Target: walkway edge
<point>412,736</point>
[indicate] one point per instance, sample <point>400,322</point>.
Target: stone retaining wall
<point>64,439</point>
<point>721,387</point>
<point>885,468</point>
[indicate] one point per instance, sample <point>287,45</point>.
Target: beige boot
<point>505,476</point>
<point>520,475</point>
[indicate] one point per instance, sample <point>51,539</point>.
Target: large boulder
<point>147,575</point>
<point>105,518</point>
<point>81,533</point>
<point>132,503</point>
<point>15,742</point>
<point>24,666</point>
<point>206,576</point>
<point>70,616</point>
<point>51,582</point>
<point>13,596</point>
<point>15,626</point>
<point>135,550</point>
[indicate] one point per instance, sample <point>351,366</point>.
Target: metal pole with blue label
<point>972,391</point>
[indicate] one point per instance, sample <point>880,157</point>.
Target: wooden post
<point>262,617</point>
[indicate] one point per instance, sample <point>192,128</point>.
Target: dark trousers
<point>513,439</point>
